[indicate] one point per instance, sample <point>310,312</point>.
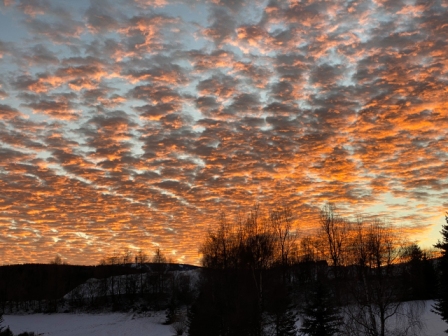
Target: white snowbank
<point>116,324</point>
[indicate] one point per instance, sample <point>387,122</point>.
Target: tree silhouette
<point>441,305</point>
<point>281,311</point>
<point>1,322</point>
<point>243,264</point>
<point>419,274</point>
<point>376,288</point>
<point>3,331</point>
<point>321,315</point>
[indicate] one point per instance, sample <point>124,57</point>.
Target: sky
<point>131,124</point>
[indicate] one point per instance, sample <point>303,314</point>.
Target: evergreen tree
<point>441,305</point>
<point>3,331</point>
<point>321,316</point>
<point>430,276</point>
<point>285,323</point>
<point>282,315</point>
<point>419,274</point>
<point>203,320</point>
<point>173,311</point>
<point>6,332</point>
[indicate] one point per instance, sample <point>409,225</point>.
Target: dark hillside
<point>24,287</point>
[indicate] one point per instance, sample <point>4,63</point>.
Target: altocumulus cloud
<point>123,121</point>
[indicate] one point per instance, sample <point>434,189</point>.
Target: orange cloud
<point>135,124</point>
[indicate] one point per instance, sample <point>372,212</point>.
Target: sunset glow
<point>128,125</point>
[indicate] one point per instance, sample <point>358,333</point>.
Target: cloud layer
<point>131,124</point>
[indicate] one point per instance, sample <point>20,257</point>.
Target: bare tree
<point>126,257</point>
<point>377,296</point>
<point>309,249</point>
<point>58,260</point>
<point>238,277</point>
<point>259,242</point>
<point>140,259</point>
<point>281,221</point>
<point>110,283</point>
<point>158,275</point>
<point>158,257</point>
<point>219,245</point>
<point>335,232</point>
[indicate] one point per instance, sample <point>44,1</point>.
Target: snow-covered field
<point>120,324</point>
<point>113,324</point>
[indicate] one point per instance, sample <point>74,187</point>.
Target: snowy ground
<point>113,324</point>
<point>117,324</point>
<point>435,326</point>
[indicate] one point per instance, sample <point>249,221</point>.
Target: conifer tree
<point>203,319</point>
<point>285,323</point>
<point>280,309</point>
<point>321,316</point>
<point>441,305</point>
<point>3,331</point>
<point>173,311</point>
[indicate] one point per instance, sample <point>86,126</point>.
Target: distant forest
<point>259,275</point>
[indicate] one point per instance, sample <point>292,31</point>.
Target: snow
<point>92,288</point>
<point>89,324</point>
<point>435,326</point>
<point>124,324</point>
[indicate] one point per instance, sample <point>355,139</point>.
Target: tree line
<point>349,278</point>
<point>260,274</point>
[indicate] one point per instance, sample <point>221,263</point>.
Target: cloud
<point>60,31</point>
<point>222,25</point>
<point>6,48</point>
<point>136,123</point>
<point>156,112</point>
<point>8,112</point>
<point>154,94</point>
<point>59,107</point>
<point>101,17</point>
<point>41,55</point>
<point>162,70</point>
<point>203,61</point>
<point>221,86</point>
